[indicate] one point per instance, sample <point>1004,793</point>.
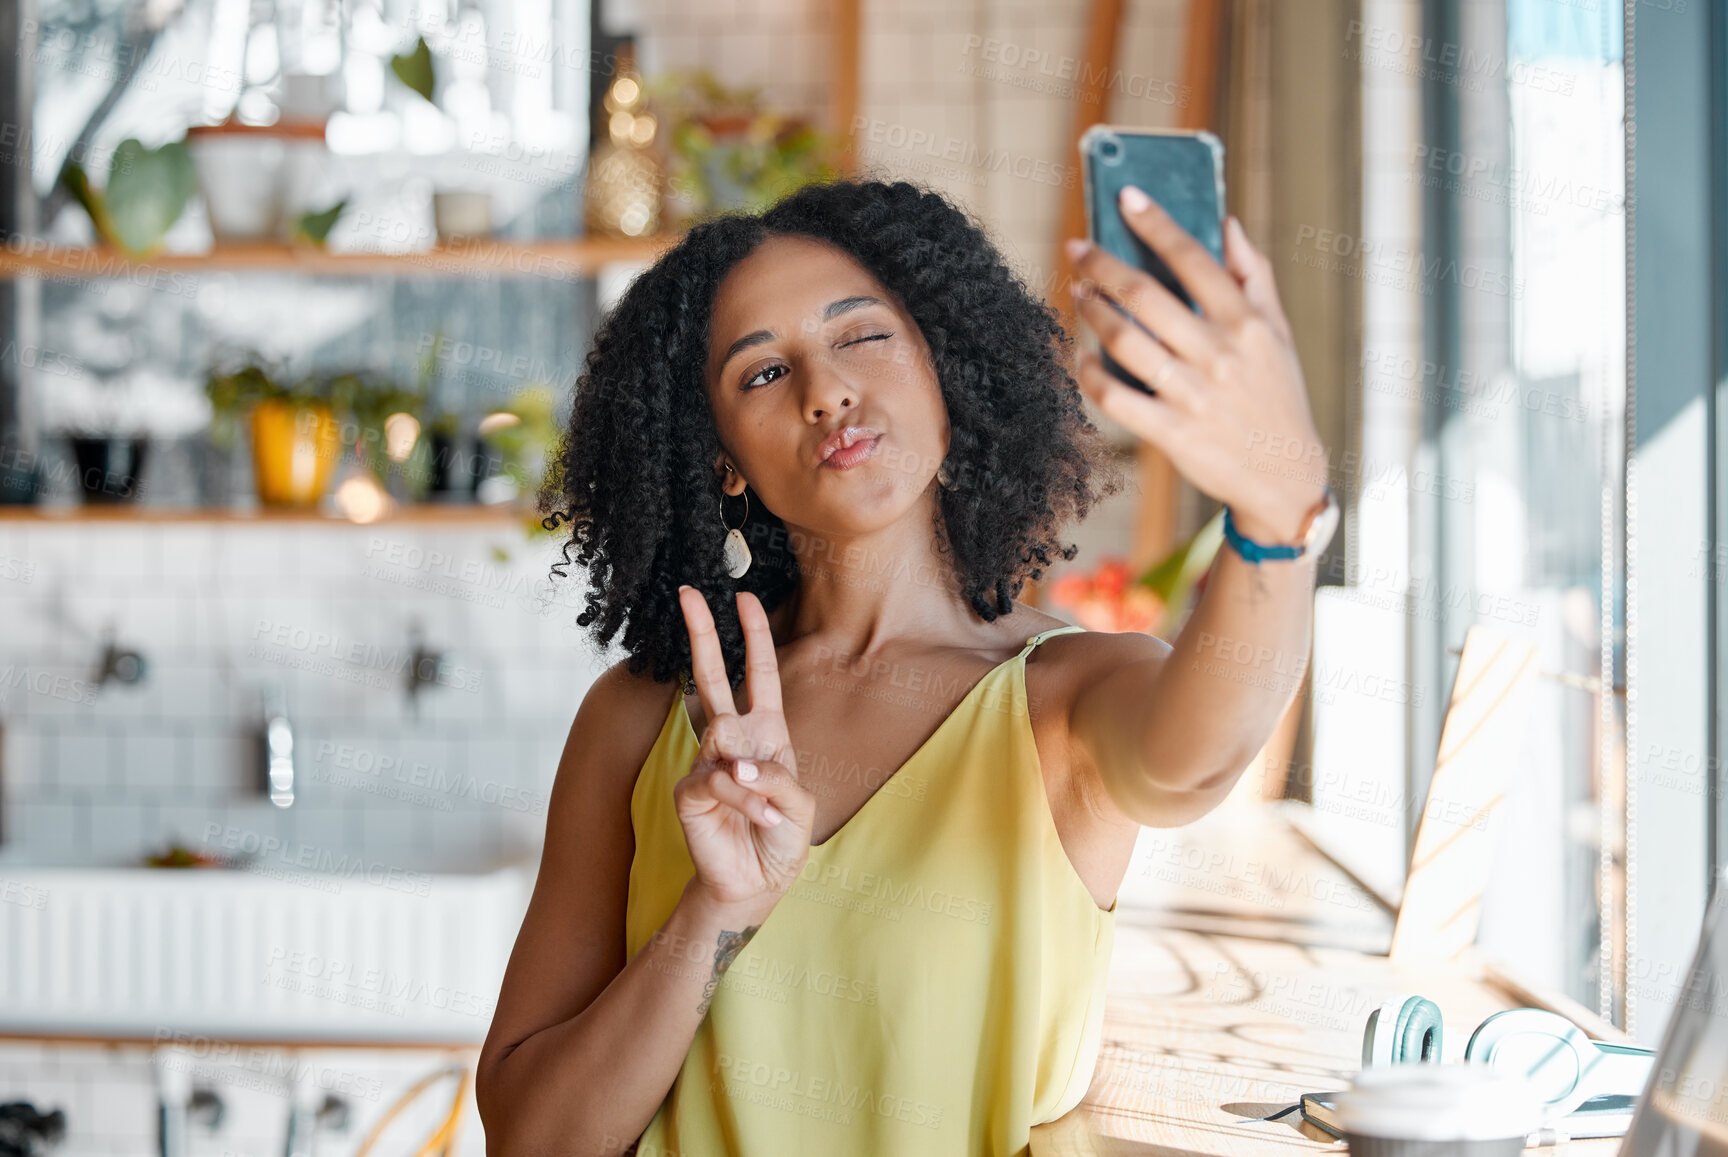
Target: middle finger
<point>761,668</point>
<point>1134,349</point>
<point>1158,309</point>
<point>707,663</point>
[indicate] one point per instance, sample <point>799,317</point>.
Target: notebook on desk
<point>1683,1109</point>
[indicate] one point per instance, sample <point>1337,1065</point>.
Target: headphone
<point>1563,1065</point>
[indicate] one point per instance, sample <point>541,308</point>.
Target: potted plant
<point>731,152</point>
<point>111,422</point>
<point>260,181</point>
<point>296,440</point>
<point>386,420</point>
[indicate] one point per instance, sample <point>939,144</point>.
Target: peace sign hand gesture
<point>746,817</point>
<point>1230,411</point>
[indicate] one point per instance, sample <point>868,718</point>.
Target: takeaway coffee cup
<point>1428,1110</point>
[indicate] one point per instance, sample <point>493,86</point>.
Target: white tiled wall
<point>227,612</point>
<point>972,97</point>
<point>780,47</point>
<point>988,92</point>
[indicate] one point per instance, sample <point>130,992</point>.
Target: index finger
<point>761,668</point>
<point>1205,280</point>
<point>707,664</point>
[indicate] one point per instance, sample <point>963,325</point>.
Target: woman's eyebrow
<point>744,343</point>
<point>833,310</point>
<point>836,308</point>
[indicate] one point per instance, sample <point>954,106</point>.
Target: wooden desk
<point>1245,967</point>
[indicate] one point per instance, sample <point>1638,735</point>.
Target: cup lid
<point>1428,1102</point>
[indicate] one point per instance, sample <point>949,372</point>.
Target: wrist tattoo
<point>1257,591</point>
<point>729,946</point>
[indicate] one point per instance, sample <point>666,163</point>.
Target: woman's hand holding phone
<point>746,818</point>
<point>1230,408</point>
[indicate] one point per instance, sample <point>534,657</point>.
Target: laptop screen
<point>1684,1109</point>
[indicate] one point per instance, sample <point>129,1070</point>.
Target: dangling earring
<point>945,479</point>
<point>735,552</point>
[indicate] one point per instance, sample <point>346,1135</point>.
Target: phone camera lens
<point>1110,150</point>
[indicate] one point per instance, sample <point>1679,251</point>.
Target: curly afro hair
<point>632,475</point>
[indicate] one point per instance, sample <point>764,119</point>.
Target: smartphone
<point>1182,171</point>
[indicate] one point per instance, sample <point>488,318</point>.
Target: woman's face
<point>804,342</point>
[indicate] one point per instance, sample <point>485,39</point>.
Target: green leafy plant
<point>414,68</point>
<point>368,401</point>
<point>445,425</point>
<point>147,191</point>
<point>1182,573</point>
<point>729,151</point>
<point>235,389</point>
<point>524,442</point>
<point>314,228</point>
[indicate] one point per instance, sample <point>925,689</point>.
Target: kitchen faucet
<point>278,750</point>
<point>424,665</point>
<point>118,664</point>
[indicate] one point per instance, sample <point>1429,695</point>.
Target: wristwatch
<point>1318,526</point>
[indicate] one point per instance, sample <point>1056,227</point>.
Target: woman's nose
<point>827,390</point>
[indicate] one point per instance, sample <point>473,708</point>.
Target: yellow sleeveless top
<point>932,984</point>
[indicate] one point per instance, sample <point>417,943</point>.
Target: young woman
<point>853,892</point>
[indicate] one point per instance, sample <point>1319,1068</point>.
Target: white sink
<point>386,956</point>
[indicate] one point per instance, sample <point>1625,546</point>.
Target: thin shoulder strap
<point>1042,635</point>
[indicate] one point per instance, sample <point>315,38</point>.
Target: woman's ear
<point>731,481</point>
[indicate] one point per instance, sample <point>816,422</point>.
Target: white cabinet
<point>109,1094</point>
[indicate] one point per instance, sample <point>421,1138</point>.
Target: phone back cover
<point>1181,171</point>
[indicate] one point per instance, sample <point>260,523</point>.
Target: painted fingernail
<point>1134,200</point>
<point>1076,248</point>
<point>747,771</point>
<point>771,815</point>
<point>682,587</point>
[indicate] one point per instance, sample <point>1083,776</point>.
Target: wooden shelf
<point>426,513</point>
<point>559,260</point>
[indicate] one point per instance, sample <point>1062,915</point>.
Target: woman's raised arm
<point>1169,735</point>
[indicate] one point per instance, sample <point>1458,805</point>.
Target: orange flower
<point>1107,599</point>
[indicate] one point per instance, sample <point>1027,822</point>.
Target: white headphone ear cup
<point>1377,1036</point>
<point>1404,1030</point>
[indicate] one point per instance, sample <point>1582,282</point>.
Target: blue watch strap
<point>1250,550</point>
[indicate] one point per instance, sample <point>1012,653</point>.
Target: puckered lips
<point>847,446</point>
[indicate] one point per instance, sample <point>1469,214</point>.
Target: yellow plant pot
<point>295,447</point>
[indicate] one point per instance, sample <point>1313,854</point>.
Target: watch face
<point>1324,527</point>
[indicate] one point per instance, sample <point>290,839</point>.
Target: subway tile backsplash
<point>230,615</point>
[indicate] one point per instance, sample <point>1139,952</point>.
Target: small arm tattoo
<point>1257,592</point>
<point>729,946</point>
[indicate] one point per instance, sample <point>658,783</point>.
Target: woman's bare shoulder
<point>621,716</point>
